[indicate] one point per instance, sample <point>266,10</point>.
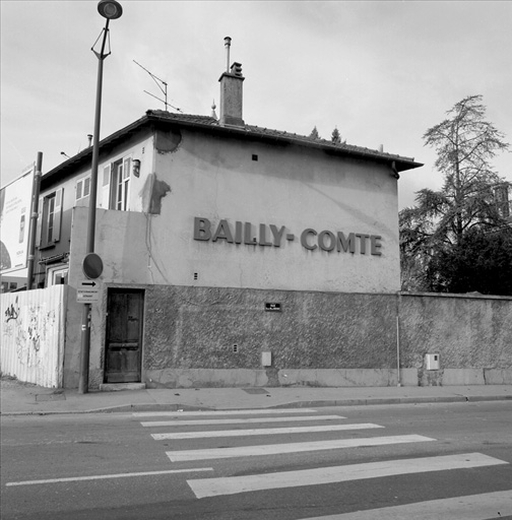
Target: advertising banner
<point>15,201</point>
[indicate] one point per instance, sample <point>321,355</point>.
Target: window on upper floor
<point>116,185</point>
<point>49,218</point>
<point>83,188</point>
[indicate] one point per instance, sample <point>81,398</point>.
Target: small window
<point>83,188</point>
<point>57,275</point>
<point>49,218</point>
<point>254,157</point>
<point>120,184</point>
<point>87,186</point>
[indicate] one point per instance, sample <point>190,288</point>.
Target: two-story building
<point>233,254</point>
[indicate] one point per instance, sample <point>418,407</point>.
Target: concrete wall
<point>471,334</point>
<point>121,244</point>
<point>192,332</point>
<point>322,339</point>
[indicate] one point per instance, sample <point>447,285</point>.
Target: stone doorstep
<point>114,387</point>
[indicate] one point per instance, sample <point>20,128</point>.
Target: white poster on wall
<point>15,201</point>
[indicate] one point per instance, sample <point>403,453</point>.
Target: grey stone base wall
<point>198,336</point>
<point>200,378</point>
<point>183,378</point>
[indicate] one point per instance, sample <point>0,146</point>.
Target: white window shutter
<point>57,219</point>
<point>105,188</point>
<point>39,224</point>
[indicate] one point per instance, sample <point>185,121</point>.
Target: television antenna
<point>162,85</point>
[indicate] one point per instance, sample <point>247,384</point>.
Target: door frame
<point>119,289</point>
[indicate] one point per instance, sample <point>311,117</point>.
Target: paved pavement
<point>25,398</point>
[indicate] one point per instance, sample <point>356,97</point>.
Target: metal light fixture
<point>110,10</point>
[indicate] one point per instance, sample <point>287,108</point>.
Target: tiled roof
<point>268,133</point>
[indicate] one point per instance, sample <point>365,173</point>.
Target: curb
<point>294,404</point>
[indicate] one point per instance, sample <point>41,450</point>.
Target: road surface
<point>427,461</point>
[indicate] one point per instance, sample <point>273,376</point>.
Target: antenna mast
<point>161,84</point>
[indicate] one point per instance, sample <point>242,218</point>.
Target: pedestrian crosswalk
<point>278,423</point>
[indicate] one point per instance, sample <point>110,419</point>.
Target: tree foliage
<point>335,136</point>
<point>314,133</point>
<point>460,222</point>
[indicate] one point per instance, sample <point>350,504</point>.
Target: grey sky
<point>382,72</point>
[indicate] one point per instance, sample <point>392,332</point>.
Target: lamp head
<point>110,9</point>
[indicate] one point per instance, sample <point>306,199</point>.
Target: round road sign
<point>92,265</point>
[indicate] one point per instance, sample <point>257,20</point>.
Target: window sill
<point>47,246</point>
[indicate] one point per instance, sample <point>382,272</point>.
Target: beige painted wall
<point>286,186</point>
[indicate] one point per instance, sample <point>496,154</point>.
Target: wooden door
<point>123,351</point>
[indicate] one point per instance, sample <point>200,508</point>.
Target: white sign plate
<point>88,291</point>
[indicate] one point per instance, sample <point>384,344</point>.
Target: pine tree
<point>444,233</point>
<point>314,133</point>
<point>335,136</point>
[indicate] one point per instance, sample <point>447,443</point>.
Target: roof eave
<point>246,132</point>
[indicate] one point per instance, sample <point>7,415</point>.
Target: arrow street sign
<point>88,291</point>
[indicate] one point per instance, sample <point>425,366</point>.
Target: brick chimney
<point>231,92</point>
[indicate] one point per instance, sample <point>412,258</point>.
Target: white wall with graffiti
<point>32,335</point>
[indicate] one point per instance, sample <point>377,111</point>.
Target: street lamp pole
<point>110,10</point>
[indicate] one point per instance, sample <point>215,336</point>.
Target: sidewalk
<point>25,398</point>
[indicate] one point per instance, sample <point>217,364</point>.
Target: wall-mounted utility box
<point>432,362</point>
<point>266,359</point>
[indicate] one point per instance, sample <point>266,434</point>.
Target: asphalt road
<point>402,461</point>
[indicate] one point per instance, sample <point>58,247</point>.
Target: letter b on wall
<point>202,229</point>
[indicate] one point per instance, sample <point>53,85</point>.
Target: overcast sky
<point>382,72</point>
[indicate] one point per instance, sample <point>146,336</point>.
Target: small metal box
<point>432,362</point>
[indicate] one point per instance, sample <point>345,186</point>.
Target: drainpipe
<point>34,208</point>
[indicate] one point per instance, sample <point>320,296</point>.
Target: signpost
<point>88,291</point>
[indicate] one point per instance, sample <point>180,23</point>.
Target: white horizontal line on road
<point>263,431</point>
<point>296,447</point>
<point>470,507</point>
<point>334,474</point>
<point>200,422</point>
<point>252,411</point>
<point>103,477</point>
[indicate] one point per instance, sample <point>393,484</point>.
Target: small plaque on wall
<point>273,307</point>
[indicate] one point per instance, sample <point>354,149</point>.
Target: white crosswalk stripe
<point>265,411</point>
<point>297,447</point>
<point>234,420</point>
<point>471,507</point>
<point>263,431</point>
<point>211,487</point>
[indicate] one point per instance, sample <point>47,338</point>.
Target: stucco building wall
<point>288,187</point>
